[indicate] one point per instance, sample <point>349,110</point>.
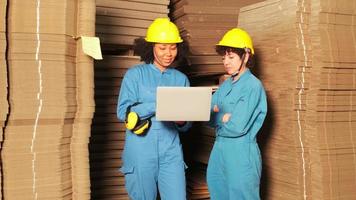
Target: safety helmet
<point>237,38</point>
<point>134,123</point>
<point>162,30</point>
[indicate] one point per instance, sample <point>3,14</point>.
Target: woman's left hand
<point>226,117</point>
<point>216,108</point>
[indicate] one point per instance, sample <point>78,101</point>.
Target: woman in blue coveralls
<point>153,158</point>
<point>239,108</point>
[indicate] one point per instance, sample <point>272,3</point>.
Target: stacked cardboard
<point>108,134</point>
<point>36,156</point>
<point>85,105</point>
<point>202,24</point>
<point>118,24</point>
<point>3,73</point>
<point>197,145</point>
<point>37,153</point>
<point>197,189</point>
<point>306,51</point>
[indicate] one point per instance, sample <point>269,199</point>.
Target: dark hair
<point>222,50</point>
<point>145,51</point>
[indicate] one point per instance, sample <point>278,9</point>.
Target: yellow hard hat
<point>237,38</point>
<point>162,30</point>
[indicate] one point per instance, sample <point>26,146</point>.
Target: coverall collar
<point>243,76</point>
<point>155,68</point>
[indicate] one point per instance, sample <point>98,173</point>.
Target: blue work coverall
<point>156,158</point>
<point>234,167</point>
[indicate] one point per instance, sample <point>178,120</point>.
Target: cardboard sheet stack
<point>203,138</point>
<point>48,81</point>
<point>202,24</point>
<point>85,105</point>
<point>307,62</point>
<point>108,134</point>
<point>118,23</point>
<point>197,189</point>
<point>3,74</point>
<point>197,144</point>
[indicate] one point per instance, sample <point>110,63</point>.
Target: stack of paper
<point>198,143</point>
<point>202,25</point>
<point>85,105</point>
<point>120,22</point>
<point>306,51</point>
<point>108,134</point>
<point>3,68</point>
<point>197,187</point>
<point>3,73</point>
<point>39,150</point>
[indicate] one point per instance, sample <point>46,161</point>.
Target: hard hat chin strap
<point>238,70</point>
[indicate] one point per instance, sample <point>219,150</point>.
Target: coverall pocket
<point>131,182</point>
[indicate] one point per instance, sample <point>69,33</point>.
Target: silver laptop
<point>183,103</point>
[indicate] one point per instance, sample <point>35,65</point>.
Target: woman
<point>153,155</point>
<point>239,108</point>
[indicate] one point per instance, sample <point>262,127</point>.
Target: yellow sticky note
<point>91,47</point>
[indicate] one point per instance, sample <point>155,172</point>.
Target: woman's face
<point>232,62</point>
<point>164,55</point>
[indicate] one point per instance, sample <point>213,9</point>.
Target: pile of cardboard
<point>118,24</point>
<point>202,24</point>
<point>197,187</point>
<point>307,62</point>
<point>45,146</point>
<point>108,134</point>
<point>85,105</point>
<point>3,73</point>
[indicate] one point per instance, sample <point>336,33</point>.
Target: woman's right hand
<point>226,117</point>
<point>216,108</point>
